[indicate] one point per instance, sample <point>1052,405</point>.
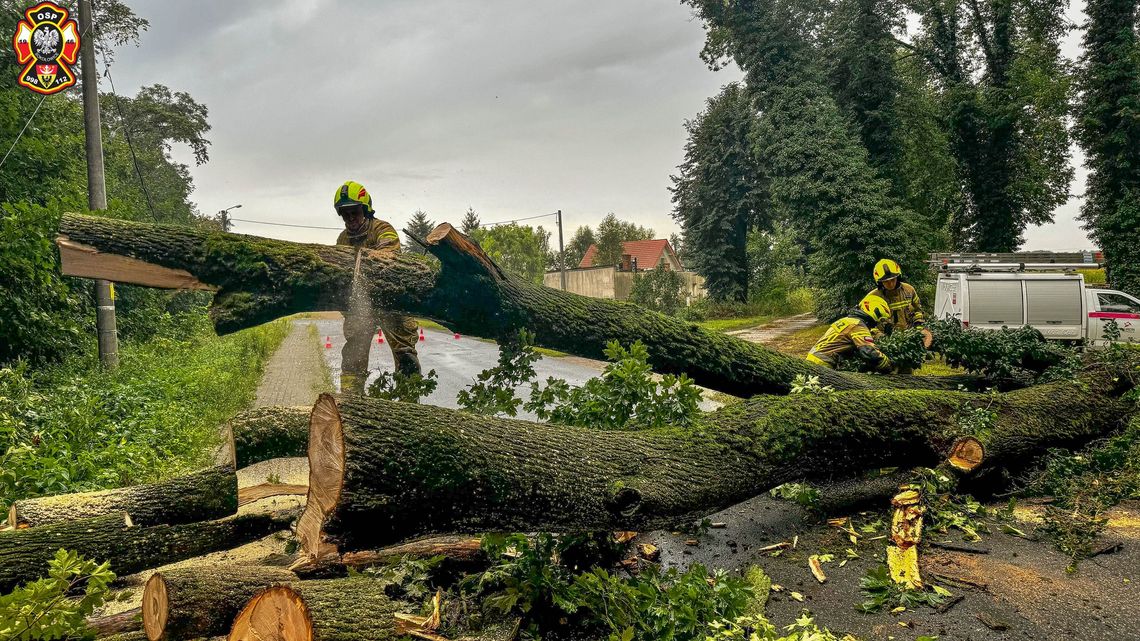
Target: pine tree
<point>420,226</point>
<point>470,221</point>
<point>720,193</point>
<point>1108,129</point>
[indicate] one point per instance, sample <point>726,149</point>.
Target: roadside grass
<point>75,427</point>
<point>732,324</point>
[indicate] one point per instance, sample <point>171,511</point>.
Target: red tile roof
<point>647,252</point>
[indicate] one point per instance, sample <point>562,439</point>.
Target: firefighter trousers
<point>359,332</point>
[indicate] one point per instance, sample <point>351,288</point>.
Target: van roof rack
<point>1042,261</point>
<point>1012,267</point>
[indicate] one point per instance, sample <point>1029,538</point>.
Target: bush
<point>1020,353</point>
<point>75,427</point>
<point>659,290</point>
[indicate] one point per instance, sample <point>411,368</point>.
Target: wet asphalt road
<point>456,362</point>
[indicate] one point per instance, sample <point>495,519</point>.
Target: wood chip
<point>624,537</point>
<point>783,545</point>
<point>649,551</point>
<point>817,569</point>
<point>692,542</point>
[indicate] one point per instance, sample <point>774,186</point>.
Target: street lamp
<point>224,216</point>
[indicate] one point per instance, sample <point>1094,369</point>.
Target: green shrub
<point>658,289</point>
<point>1020,353</point>
<point>47,608</point>
<point>75,427</point>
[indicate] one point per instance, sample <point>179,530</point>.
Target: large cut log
<point>189,603</point>
<point>205,495</point>
<point>24,554</point>
<point>259,279</point>
<point>264,433</point>
<point>381,471</point>
<point>328,610</point>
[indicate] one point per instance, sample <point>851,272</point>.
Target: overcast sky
<point>513,107</point>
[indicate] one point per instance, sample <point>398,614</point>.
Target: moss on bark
<point>202,496</point>
<point>261,279</point>
<point>24,554</point>
<point>264,433</point>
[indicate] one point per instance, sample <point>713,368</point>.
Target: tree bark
<point>264,433</point>
<point>205,495</point>
<point>189,603</point>
<point>24,554</point>
<point>259,279</point>
<point>382,471</point>
<point>332,610</point>
<point>460,550</point>
<point>121,623</point>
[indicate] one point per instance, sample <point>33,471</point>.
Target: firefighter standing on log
<point>364,231</point>
<point>851,337</point>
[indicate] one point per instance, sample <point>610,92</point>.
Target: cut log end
<point>275,614</point>
<point>326,475</point>
<point>966,454</point>
<point>155,607</point>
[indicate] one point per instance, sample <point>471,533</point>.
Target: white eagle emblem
<point>46,41</point>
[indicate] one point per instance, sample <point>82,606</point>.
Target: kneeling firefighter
<point>363,230</point>
<point>850,337</point>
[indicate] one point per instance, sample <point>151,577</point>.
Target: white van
<point>1058,304</point>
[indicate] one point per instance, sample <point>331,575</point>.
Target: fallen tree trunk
<point>382,471</point>
<point>205,495</point>
<point>332,610</point>
<point>265,433</point>
<point>121,623</point>
<point>189,603</point>
<point>24,554</point>
<point>259,279</point>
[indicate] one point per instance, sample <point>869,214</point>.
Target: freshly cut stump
<point>188,603</point>
<point>205,495</point>
<point>353,609</point>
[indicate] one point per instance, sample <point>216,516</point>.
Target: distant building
<point>615,282</point>
<point>640,255</point>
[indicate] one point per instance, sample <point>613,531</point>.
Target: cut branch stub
<point>966,454</point>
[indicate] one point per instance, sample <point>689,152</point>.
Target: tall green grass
<point>74,427</point>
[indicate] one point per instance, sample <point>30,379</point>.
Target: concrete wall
<point>607,282</point>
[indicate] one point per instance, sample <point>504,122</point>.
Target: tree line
<point>893,128</point>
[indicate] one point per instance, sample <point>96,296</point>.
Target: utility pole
<point>224,217</point>
<point>561,251</point>
<point>96,183</point>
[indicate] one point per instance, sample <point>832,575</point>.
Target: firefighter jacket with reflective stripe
<point>848,338</point>
<point>377,234</point>
<point>906,310</point>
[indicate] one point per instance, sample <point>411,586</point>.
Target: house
<point>615,282</point>
<point>640,255</point>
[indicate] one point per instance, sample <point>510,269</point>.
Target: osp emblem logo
<point>47,44</point>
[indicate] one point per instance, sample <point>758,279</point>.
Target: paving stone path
<point>769,333</point>
<point>294,374</point>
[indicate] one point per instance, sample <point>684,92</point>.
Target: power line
<point>125,126</point>
<point>504,222</point>
<point>262,222</point>
<point>21,134</point>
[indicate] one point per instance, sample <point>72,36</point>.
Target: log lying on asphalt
<point>328,610</point>
<point>259,279</point>
<point>265,433</point>
<point>205,495</point>
<point>188,603</point>
<point>24,554</point>
<point>381,472</point>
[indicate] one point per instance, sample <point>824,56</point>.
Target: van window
<point>1117,303</point>
<point>1054,302</point>
<point>996,302</point>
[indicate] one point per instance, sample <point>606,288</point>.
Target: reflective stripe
<point>389,234</point>
<point>812,358</point>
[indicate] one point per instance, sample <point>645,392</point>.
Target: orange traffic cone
<point>328,342</point>
<point>379,337</point>
<point>456,335</point>
<point>421,334</point>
